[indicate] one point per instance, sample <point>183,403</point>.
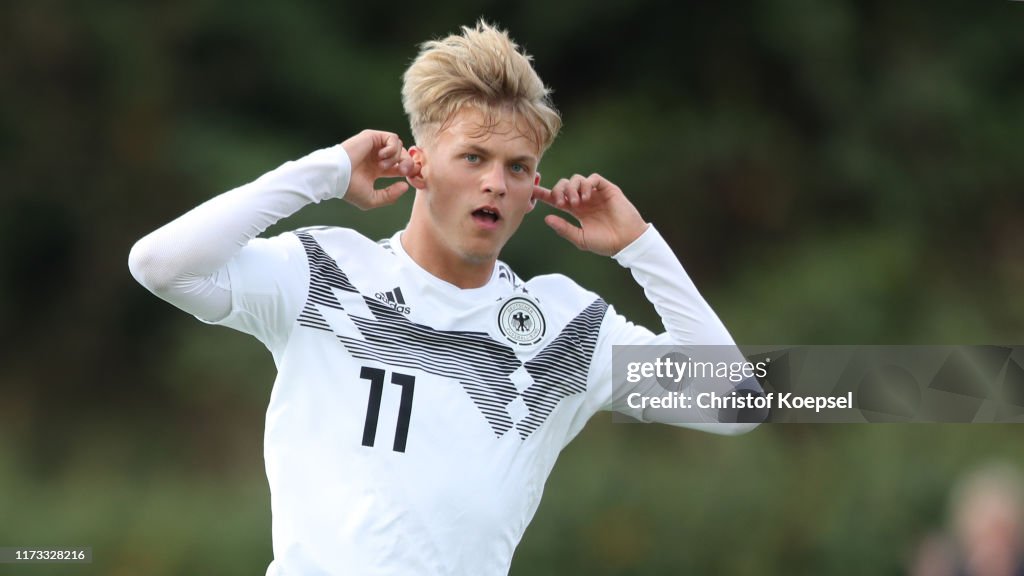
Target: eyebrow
<point>477,149</point>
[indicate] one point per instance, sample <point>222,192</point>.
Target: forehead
<point>499,132</point>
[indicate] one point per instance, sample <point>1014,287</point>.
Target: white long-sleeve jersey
<point>412,424</point>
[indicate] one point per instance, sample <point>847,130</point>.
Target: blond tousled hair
<point>481,68</point>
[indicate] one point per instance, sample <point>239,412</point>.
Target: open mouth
<point>486,215</point>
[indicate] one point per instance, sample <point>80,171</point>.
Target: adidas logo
<point>393,299</point>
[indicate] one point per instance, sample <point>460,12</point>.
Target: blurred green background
<point>834,172</point>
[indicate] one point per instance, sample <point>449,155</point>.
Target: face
<point>475,186</point>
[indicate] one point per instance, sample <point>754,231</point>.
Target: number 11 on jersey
<point>376,378</point>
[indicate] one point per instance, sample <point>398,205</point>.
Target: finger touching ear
<point>539,194</point>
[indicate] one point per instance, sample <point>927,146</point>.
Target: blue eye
<point>472,158</point>
<point>518,168</point>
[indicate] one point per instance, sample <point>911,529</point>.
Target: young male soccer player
<point>423,389</point>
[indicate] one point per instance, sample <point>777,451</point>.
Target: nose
<point>494,180</point>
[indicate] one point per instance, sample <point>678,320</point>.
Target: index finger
<point>544,195</point>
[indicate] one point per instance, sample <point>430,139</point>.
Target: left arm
<point>611,226</point>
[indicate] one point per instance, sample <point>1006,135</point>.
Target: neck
<point>442,261</point>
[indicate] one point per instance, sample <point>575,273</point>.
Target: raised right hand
<point>374,155</point>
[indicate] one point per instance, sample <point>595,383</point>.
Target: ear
<point>419,159</point>
<point>533,198</point>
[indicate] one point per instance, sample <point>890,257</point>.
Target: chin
<point>474,257</point>
<point>480,254</point>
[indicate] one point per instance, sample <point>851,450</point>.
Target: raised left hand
<point>608,220</point>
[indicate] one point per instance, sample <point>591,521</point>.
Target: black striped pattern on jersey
<point>560,369</point>
<point>324,275</point>
<point>479,363</point>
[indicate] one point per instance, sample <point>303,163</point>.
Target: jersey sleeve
<point>688,319</point>
<point>268,281</point>
<point>185,261</point>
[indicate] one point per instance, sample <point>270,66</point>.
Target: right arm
<point>184,262</point>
